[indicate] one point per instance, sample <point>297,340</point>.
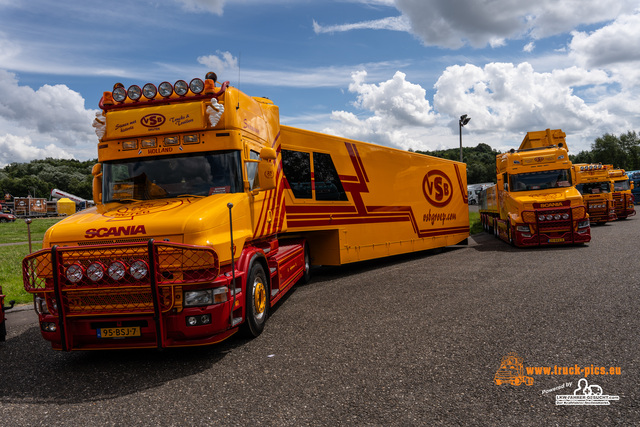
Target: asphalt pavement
<point>410,340</point>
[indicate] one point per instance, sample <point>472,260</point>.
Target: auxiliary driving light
<point>74,273</point>
<point>119,94</point>
<point>139,269</point>
<point>549,217</point>
<point>181,88</point>
<point>95,271</point>
<point>134,92</point>
<point>196,85</point>
<point>165,89</point>
<point>48,326</point>
<point>149,91</point>
<point>116,270</point>
<point>203,319</point>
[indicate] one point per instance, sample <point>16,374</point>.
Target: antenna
<point>239,58</point>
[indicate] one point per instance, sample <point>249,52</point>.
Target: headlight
<point>205,297</point>
<point>523,228</point>
<point>40,305</point>
<point>116,270</point>
<point>74,273</point>
<point>583,224</point>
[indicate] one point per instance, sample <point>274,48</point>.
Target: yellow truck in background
<point>623,199</point>
<point>535,201</point>
<point>593,182</point>
<point>208,211</point>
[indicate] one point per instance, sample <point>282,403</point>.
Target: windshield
<point>540,180</point>
<point>164,177</point>
<point>594,187</point>
<point>621,185</point>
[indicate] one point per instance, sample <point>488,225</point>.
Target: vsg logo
<point>152,120</point>
<point>437,188</point>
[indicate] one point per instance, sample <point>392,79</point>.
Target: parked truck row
<point>208,211</point>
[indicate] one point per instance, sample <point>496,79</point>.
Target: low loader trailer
<point>208,210</point>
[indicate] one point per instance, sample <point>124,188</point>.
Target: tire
<point>3,219</point>
<point>256,301</point>
<point>3,331</point>
<point>307,266</point>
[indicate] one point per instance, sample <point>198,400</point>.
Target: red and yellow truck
<point>623,199</point>
<point>535,201</point>
<point>593,182</point>
<point>208,211</point>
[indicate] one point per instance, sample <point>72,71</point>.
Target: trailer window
<point>540,180</point>
<point>296,166</point>
<point>164,177</point>
<point>326,179</point>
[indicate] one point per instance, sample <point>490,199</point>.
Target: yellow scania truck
<point>623,199</point>
<point>208,211</point>
<point>535,201</point>
<point>593,182</point>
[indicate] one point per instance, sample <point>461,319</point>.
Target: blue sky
<point>392,72</point>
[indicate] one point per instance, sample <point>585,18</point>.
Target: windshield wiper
<point>127,200</point>
<point>190,195</point>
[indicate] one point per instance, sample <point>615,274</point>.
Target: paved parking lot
<point>413,340</point>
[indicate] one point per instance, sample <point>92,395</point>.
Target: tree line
<point>38,177</point>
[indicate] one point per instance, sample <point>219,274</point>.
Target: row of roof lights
<point>167,142</point>
<point>165,89</point>
<point>592,167</point>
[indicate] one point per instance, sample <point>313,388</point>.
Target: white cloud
<point>224,63</point>
<point>529,47</point>
<point>612,44</point>
<point>20,149</point>
<point>213,6</point>
<point>489,22</point>
<point>42,121</point>
<point>509,97</point>
<point>394,107</point>
<point>395,23</point>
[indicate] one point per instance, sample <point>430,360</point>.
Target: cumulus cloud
<point>37,122</point>
<point>515,97</point>
<point>481,23</point>
<point>222,63</point>
<point>213,6</point>
<point>393,108</point>
<point>20,149</point>
<point>612,44</point>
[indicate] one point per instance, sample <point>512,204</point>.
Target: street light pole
<point>464,119</point>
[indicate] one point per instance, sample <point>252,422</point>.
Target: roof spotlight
<point>149,91</point>
<point>181,88</point>
<point>119,94</point>
<point>134,92</point>
<point>211,76</point>
<point>196,85</point>
<point>165,89</point>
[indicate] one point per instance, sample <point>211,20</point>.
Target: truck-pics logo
<point>437,188</point>
<point>511,371</point>
<point>152,120</point>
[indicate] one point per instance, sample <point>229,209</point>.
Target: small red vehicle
<point>3,327</point>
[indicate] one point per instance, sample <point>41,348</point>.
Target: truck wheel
<point>257,301</point>
<point>3,331</point>
<point>307,266</point>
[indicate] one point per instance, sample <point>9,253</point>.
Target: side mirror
<point>97,183</point>
<point>268,153</point>
<point>266,175</point>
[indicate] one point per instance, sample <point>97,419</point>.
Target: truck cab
<point>593,182</point>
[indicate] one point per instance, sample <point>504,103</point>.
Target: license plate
<point>560,240</point>
<point>119,332</point>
